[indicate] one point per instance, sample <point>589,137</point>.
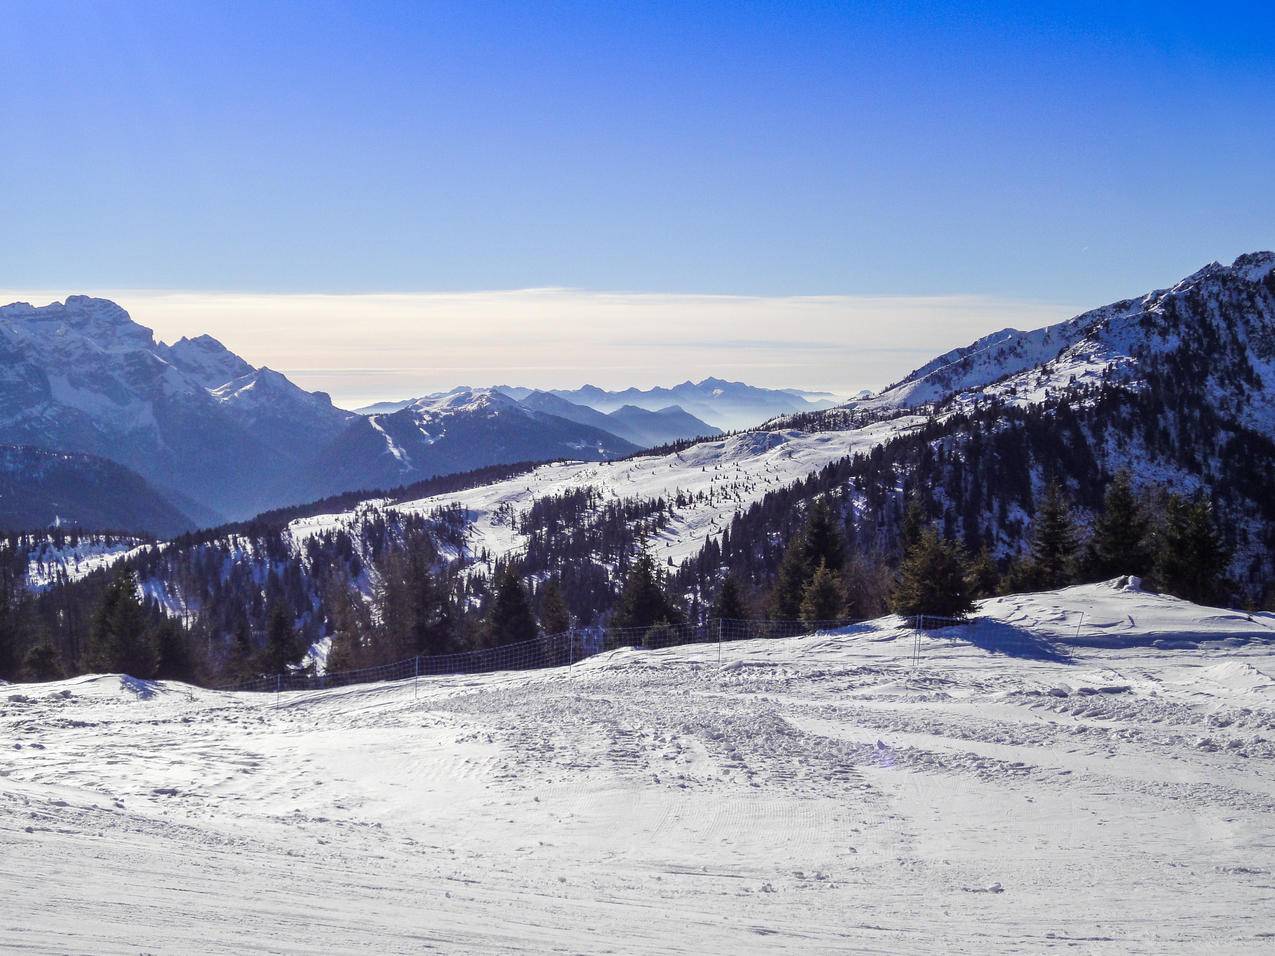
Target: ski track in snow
<point>820,794</point>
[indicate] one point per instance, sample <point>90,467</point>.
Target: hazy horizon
<point>362,349</point>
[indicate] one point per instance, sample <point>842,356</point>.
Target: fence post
<point>719,641</point>
<point>278,686</point>
<point>416,677</point>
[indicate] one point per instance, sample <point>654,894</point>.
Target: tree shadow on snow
<point>998,637</point>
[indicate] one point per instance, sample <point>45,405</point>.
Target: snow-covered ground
<point>46,562</point>
<point>731,472</point>
<point>821,794</point>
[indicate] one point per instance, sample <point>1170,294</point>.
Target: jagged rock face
<point>82,376</point>
<point>223,439</point>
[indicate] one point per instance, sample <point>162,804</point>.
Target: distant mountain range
<point>217,438</point>
<point>728,405</point>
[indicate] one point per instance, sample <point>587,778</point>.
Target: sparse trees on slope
<point>933,579</point>
<point>1119,542</point>
<point>119,638</point>
<point>1191,557</point>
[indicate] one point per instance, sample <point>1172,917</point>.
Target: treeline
<point>994,498</point>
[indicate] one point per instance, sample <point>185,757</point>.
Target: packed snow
<point>1035,781</point>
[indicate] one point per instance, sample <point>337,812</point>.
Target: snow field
<point>819,794</point>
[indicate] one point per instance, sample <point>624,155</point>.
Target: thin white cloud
<point>363,348</point>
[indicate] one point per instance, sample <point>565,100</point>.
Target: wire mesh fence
<point>550,650</point>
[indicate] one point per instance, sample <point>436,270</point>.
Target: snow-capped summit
<point>192,418</point>
<point>459,430</point>
<point>1220,320</point>
<point>207,361</point>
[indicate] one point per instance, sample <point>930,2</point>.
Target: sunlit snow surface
<point>821,794</point>
<point>738,470</point>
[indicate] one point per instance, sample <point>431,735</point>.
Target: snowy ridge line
<point>551,650</point>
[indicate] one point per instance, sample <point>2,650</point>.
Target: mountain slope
<point>459,431</point>
<point>40,488</point>
<point>639,426</point>
<point>1218,323</point>
<point>82,376</point>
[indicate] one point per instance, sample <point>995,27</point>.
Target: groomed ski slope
<point>736,470</point>
<point>820,794</point>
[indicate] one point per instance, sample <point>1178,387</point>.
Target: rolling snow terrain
<point>1104,785</point>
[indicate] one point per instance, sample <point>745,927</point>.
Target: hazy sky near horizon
<point>367,348</point>
<point>800,193</point>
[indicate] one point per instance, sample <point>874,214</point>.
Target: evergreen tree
<point>42,663</point>
<point>984,576</point>
<point>239,664</point>
<point>173,657</point>
<point>1053,544</point>
<point>1191,558</point>
<point>790,582</point>
<point>660,635</point>
<point>933,579</point>
<point>913,526</point>
<point>349,625</point>
<point>283,649</point>
<point>822,599</point>
<point>1119,543</point>
<point>729,604</point>
<point>119,639</point>
<point>554,616</point>
<point>643,602</point>
<point>511,620</point>
<point>823,540</point>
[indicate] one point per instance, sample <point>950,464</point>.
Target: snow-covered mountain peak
<point>1223,316</point>
<point>465,399</point>
<point>207,361</point>
<point>80,323</point>
<point>1254,266</point>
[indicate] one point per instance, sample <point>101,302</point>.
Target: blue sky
<point>1064,154</point>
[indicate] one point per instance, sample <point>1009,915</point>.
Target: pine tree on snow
<point>511,620</point>
<point>643,602</point>
<point>1119,543</point>
<point>119,638</point>
<point>822,539</point>
<point>822,600</point>
<point>1191,557</point>
<point>1053,544</point>
<point>282,649</point>
<point>790,583</point>
<point>933,579</point>
<point>729,604</point>
<point>555,618</point>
